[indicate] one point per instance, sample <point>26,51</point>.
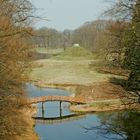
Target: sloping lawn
<point>64,71</point>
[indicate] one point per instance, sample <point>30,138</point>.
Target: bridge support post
<point>60,109</point>
<point>43,109</point>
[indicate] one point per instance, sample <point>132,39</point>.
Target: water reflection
<point>58,120</point>
<point>124,125</point>
<point>35,91</point>
<point>53,109</point>
<point>69,130</point>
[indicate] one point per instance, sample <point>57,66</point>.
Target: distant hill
<point>75,52</point>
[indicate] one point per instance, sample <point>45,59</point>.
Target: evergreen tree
<point>132,54</point>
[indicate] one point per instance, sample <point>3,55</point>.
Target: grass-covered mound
<point>75,52</point>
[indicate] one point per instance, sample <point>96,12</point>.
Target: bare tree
<point>15,19</point>
<point>121,9</point>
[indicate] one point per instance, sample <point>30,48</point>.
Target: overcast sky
<point>68,14</point>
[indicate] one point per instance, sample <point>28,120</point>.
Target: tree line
<point>101,37</point>
<point>15,19</point>
<point>122,40</point>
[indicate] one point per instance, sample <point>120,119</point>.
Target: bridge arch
<point>57,98</point>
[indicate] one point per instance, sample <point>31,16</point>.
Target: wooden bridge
<point>57,98</point>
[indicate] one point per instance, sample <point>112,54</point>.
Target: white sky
<point>68,14</point>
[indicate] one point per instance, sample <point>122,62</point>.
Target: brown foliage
<point>110,42</point>
<point>14,65</point>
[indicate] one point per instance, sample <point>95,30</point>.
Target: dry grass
<point>67,71</point>
<point>15,121</point>
<point>101,91</point>
<point>74,66</point>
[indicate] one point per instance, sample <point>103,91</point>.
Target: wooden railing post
<point>43,110</point>
<point>60,109</point>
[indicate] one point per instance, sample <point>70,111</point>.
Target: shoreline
<point>69,87</point>
<point>100,105</point>
<point>87,108</point>
<point>30,133</point>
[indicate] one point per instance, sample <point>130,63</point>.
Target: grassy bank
<point>71,70</point>
<point>99,106</point>
<point>104,106</point>
<point>16,122</point>
<point>68,72</point>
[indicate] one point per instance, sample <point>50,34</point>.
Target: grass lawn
<point>50,51</point>
<point>70,67</point>
<point>68,72</point>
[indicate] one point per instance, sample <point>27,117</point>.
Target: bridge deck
<point>57,98</point>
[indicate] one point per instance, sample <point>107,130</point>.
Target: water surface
<point>55,124</point>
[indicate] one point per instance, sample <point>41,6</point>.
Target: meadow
<point>69,67</point>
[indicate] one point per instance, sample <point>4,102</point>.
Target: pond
<point>53,123</point>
